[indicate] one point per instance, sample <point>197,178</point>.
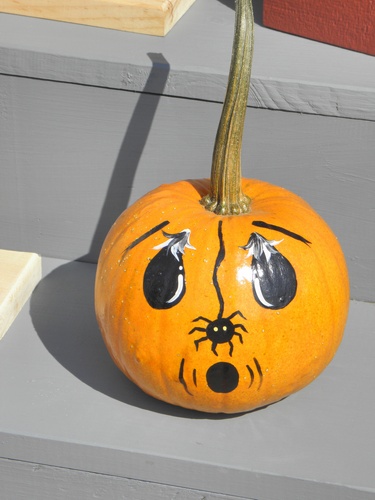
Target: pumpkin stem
<point>226,196</point>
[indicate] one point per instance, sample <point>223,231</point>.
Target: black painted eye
<point>273,277</point>
<point>164,278</point>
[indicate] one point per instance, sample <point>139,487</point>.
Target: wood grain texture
<point>345,24</point>
<point>289,73</point>
<point>85,416</point>
<point>151,17</point>
<point>31,481</point>
<point>20,272</point>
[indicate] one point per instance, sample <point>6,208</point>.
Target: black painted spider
<point>219,331</point>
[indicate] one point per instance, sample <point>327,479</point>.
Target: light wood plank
<point>152,17</point>
<point>19,274</point>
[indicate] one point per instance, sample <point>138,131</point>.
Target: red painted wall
<point>346,23</point>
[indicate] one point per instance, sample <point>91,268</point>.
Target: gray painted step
<point>67,408</point>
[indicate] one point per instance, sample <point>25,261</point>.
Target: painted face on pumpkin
<point>273,284</point>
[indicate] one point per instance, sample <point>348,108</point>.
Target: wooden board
<point>345,24</point>
<point>20,272</point>
<point>152,17</point>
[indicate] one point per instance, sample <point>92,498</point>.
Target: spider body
<point>219,331</point>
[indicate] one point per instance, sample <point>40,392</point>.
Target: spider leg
<point>203,319</point>
<point>197,329</point>
<point>213,348</point>
<point>239,313</point>
<point>196,342</point>
<point>241,326</point>
<point>231,347</point>
<point>239,336</point>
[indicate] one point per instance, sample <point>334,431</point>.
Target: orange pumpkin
<point>222,295</point>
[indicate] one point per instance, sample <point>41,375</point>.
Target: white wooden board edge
<point>20,272</point>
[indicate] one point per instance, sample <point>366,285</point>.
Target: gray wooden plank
<point>290,73</point>
<point>30,481</point>
<point>73,157</point>
<point>82,414</point>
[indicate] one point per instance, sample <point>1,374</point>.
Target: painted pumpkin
<point>222,295</point>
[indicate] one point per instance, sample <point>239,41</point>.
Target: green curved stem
<point>226,196</point>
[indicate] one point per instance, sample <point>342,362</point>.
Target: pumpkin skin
<point>221,313</point>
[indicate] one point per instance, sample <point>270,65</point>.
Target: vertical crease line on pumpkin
<point>219,260</point>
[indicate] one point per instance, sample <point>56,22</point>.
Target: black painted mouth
<point>223,377</point>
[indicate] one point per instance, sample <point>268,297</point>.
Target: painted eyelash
<point>265,225</point>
